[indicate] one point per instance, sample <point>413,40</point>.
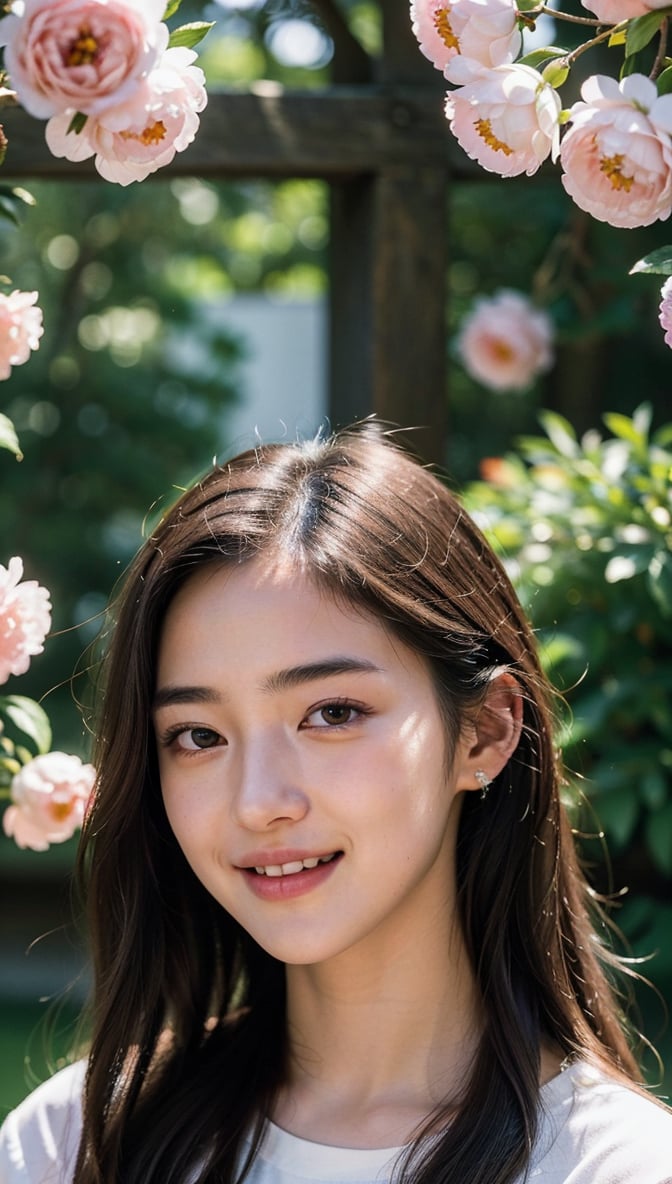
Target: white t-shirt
<point>592,1131</point>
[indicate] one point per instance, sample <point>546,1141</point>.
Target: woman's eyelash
<point>336,707</point>
<point>171,735</point>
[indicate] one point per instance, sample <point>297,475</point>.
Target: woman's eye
<point>197,738</point>
<point>333,715</point>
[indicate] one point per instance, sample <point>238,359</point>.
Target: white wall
<point>283,376</point>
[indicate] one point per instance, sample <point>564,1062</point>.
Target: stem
<point>662,50</point>
<point>576,53</point>
<point>544,10</point>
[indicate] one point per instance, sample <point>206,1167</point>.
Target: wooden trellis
<point>377,135</point>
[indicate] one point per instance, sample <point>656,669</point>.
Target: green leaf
<point>77,122</point>
<point>189,35</point>
<point>658,831</point>
<point>632,64</point>
<point>641,30</point>
<point>171,8</point>
<point>617,812</point>
<point>658,262</point>
<point>560,432</point>
<point>664,81</point>
<point>653,789</point>
<point>20,194</point>
<point>641,418</point>
<point>9,438</point>
<point>29,718</point>
<point>660,581</point>
<point>536,56</point>
<point>623,427</point>
<point>11,200</point>
<point>8,209</point>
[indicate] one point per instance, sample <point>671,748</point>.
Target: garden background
<point>138,383</point>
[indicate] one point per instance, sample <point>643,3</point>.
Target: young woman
<point>338,928</point>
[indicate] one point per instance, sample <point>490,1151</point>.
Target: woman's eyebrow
<point>166,696</point>
<point>294,676</point>
<point>281,680</point>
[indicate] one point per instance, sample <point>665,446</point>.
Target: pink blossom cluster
<point>666,310</point>
<point>616,147</point>
<point>25,618</point>
<point>103,75</point>
<point>50,795</point>
<point>20,329</point>
<point>505,342</point>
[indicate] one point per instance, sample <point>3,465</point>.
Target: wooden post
<point>388,259</point>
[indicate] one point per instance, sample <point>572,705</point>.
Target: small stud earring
<point>484,782</point>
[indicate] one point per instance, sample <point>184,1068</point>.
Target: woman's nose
<point>269,787</point>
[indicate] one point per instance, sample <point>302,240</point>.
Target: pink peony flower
<point>612,12</point>
<point>20,329</point>
<point>50,796</point>
<point>617,155</point>
<point>81,55</point>
<point>666,311</point>
<point>25,618</point>
<point>507,119</point>
<point>462,37</point>
<point>505,342</point>
<point>137,137</point>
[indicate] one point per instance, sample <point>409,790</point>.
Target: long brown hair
<point>188,1040</point>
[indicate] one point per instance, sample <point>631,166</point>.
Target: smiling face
<point>302,756</point>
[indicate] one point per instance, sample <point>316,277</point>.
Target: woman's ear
<point>488,742</point>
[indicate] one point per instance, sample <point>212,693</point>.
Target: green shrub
<point>584,527</point>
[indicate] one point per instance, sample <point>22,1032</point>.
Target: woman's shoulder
<point>39,1140</point>
<point>596,1130</point>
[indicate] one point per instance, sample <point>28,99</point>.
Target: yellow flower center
<point>501,350</point>
<point>486,133</point>
<point>60,810</point>
<point>444,29</point>
<point>611,166</point>
<point>84,50</point>
<point>154,133</point>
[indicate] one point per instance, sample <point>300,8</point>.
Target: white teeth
<point>297,865</point>
<point>289,869</point>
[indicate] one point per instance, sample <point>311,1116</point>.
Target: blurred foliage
<point>584,526</point>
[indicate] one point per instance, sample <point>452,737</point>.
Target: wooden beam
<point>269,132</point>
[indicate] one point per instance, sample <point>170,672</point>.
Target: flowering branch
<point>614,145</point>
<point>111,80</point>
<point>530,14</point>
<point>659,61</point>
<point>607,34</point>
<point>48,790</point>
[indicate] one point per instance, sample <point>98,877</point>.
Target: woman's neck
<point>378,1037</point>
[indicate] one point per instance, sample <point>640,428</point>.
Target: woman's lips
<point>292,877</point>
